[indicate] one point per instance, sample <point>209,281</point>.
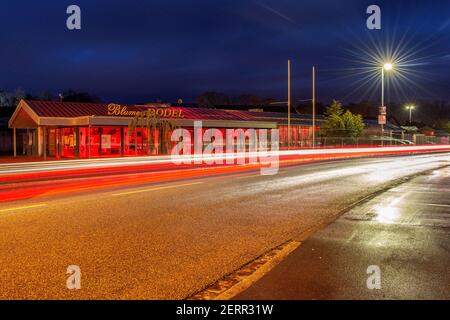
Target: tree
<point>306,107</point>
<point>212,99</point>
<point>5,99</point>
<point>333,124</point>
<point>45,96</point>
<point>341,124</point>
<point>353,124</point>
<point>9,99</point>
<point>155,125</point>
<point>365,108</point>
<point>73,96</point>
<point>216,99</point>
<point>19,94</point>
<point>250,100</point>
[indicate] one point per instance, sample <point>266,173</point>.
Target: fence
<point>386,140</point>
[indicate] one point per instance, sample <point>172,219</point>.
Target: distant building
<point>427,131</point>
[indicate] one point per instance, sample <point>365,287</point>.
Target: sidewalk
<point>18,159</point>
<point>405,231</point>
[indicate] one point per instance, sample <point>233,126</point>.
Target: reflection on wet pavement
<point>424,201</point>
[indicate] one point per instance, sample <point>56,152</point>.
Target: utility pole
<point>382,113</point>
<point>314,107</point>
<point>289,104</point>
<point>382,103</point>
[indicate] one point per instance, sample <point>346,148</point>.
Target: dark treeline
<point>11,99</point>
<point>214,99</point>
<point>435,114</point>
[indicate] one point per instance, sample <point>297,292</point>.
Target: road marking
<point>243,278</point>
<point>352,236</point>
<point>157,188</point>
<point>437,205</point>
<point>24,207</point>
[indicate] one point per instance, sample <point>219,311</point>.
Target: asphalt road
<point>168,241</point>
<point>403,231</point>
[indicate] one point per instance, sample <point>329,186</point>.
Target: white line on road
<point>437,205</point>
<point>24,207</point>
<point>156,188</point>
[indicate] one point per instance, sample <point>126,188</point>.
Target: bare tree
<point>155,125</point>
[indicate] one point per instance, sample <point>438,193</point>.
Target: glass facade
<point>105,141</point>
<point>111,141</point>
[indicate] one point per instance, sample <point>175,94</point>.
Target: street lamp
<point>410,108</point>
<point>386,67</point>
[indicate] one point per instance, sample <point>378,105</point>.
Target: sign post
<point>382,121</point>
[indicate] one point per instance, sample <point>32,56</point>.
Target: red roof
<point>77,109</point>
<point>66,109</point>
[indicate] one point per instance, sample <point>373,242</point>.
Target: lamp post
<point>289,105</point>
<point>410,108</point>
<point>385,67</point>
<point>313,107</point>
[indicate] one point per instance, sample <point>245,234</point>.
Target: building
<point>89,130</point>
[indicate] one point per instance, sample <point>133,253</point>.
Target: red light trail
<point>31,180</point>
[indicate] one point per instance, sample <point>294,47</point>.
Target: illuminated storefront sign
<point>119,110</point>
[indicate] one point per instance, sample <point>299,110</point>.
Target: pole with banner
<point>382,121</point>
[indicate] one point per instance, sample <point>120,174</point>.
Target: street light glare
<point>388,66</point>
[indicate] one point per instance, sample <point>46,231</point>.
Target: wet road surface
<point>405,231</point>
<point>168,241</point>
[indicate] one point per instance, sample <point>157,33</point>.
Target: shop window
<point>137,143</point>
<point>83,141</point>
<point>68,142</point>
<point>94,138</point>
<point>110,141</point>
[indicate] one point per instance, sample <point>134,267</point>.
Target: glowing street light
<point>388,66</point>
<point>410,108</point>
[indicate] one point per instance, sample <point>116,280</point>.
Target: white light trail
<point>27,167</point>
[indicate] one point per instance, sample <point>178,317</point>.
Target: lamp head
<point>388,66</point>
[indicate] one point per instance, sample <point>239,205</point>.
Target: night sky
<point>134,51</point>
